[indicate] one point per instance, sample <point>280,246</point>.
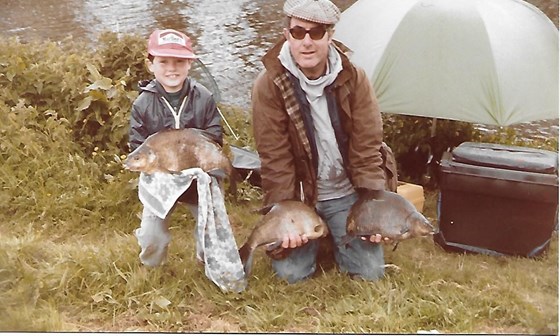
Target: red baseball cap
<point>170,43</point>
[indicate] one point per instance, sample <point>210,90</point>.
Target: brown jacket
<point>285,162</point>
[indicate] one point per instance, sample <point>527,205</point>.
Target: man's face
<point>170,72</point>
<point>309,54</point>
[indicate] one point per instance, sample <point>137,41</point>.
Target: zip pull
<point>301,194</point>
<point>176,114</point>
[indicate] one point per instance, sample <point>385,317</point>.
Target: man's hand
<point>294,240</point>
<point>281,250</point>
<point>377,238</point>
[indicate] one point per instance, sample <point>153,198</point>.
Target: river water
<point>230,35</point>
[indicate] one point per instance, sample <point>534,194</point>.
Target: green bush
<point>418,146</point>
<point>65,115</point>
<point>413,144</point>
<point>45,176</point>
<point>92,90</point>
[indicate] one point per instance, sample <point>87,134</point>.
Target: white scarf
<point>314,88</point>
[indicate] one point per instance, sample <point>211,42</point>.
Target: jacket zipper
<point>176,115</point>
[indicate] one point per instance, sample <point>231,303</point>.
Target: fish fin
<point>396,244</point>
<point>246,256</point>
<point>346,240</point>
<point>273,245</point>
<point>266,209</point>
<point>171,171</point>
<point>218,173</point>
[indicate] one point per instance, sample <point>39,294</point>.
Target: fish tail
<point>246,256</point>
<point>218,173</point>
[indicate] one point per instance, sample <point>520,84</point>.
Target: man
<point>318,131</point>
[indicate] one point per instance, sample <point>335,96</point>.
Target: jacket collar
<point>155,87</point>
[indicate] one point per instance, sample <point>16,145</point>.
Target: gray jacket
<point>151,112</point>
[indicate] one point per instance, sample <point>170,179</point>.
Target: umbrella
<point>483,61</point>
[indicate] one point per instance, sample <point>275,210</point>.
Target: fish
<point>174,150</point>
<point>390,215</point>
<point>282,218</point>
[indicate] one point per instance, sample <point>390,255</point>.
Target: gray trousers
<point>153,235</point>
<point>359,258</point>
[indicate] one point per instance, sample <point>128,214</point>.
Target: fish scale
<point>284,217</point>
<point>174,150</point>
<point>389,214</point>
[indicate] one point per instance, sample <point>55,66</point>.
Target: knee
<point>362,260</point>
<point>153,244</point>
<point>292,271</point>
<point>153,255</point>
<point>372,273</point>
<point>150,236</point>
<point>298,265</point>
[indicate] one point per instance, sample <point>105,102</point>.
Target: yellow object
<point>413,193</point>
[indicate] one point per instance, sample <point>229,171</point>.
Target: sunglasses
<point>316,33</point>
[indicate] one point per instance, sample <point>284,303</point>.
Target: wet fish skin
<point>389,215</point>
<point>283,218</point>
<point>174,150</point>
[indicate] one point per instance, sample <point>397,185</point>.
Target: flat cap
<point>320,11</point>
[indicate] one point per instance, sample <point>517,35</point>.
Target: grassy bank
<point>69,261</point>
<point>53,279</point>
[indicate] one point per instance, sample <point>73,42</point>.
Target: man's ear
<point>286,33</point>
<point>331,34</point>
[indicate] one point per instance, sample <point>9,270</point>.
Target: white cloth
<point>215,243</point>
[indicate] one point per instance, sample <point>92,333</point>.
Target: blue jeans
<point>359,258</point>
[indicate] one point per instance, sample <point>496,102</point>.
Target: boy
<point>171,100</point>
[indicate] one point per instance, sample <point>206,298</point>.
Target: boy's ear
<point>149,64</point>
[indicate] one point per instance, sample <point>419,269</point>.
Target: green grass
<point>69,260</point>
<point>60,280</point>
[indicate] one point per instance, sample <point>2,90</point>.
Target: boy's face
<point>170,72</point>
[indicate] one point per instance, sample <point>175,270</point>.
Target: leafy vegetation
<point>68,260</point>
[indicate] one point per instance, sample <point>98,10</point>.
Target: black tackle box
<point>497,199</point>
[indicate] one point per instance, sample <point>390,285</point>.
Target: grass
<point>62,280</point>
<point>69,260</point>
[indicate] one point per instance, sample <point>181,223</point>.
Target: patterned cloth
<point>215,243</point>
<point>321,11</point>
<point>293,109</point>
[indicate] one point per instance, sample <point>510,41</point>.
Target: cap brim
<point>173,53</point>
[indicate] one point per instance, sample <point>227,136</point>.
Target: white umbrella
<point>483,61</point>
